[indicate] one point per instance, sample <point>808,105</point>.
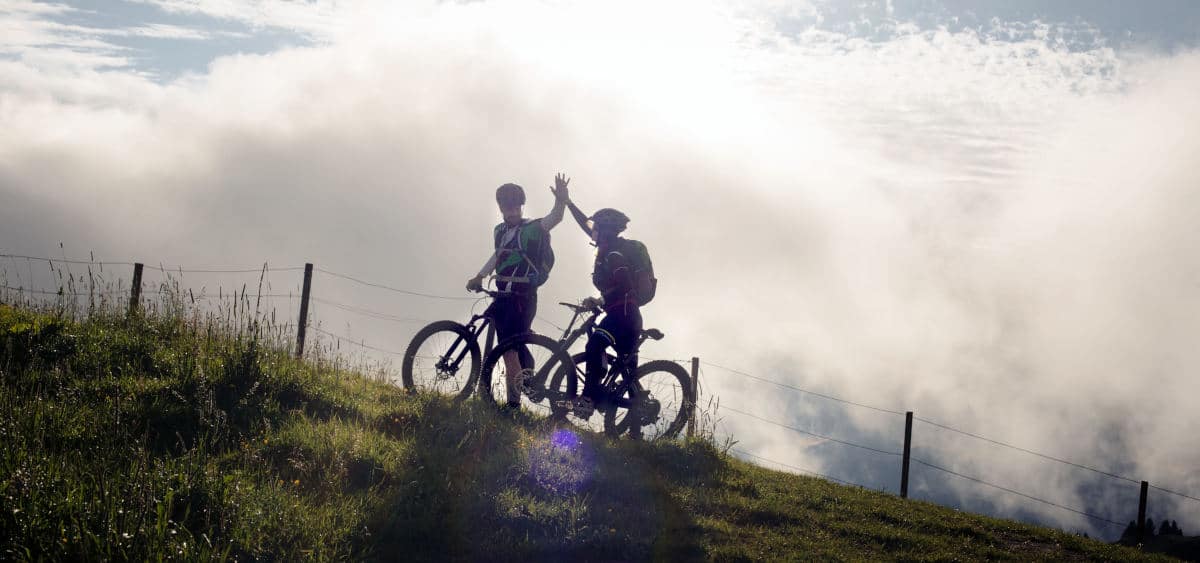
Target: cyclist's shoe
<point>510,408</point>
<point>583,408</point>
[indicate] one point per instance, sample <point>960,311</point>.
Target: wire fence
<point>407,320</point>
<point>944,427</point>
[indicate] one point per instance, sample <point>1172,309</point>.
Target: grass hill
<point>180,437</point>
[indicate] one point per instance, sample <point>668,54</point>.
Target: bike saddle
<point>653,334</point>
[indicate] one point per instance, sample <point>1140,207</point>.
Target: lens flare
<point>562,462</point>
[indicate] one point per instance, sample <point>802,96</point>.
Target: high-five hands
<point>560,187</point>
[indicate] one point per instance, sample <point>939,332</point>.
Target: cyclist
<point>519,266</point>
<point>613,274</point>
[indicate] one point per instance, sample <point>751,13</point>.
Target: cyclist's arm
<point>580,217</point>
<point>488,266</point>
<point>555,216</point>
<point>561,196</point>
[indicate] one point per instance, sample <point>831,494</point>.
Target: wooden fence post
<point>135,294</point>
<point>908,416</point>
<point>691,427</point>
<point>1141,526</point>
<point>303,324</point>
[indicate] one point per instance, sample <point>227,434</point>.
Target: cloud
<point>317,19</point>
<point>34,34</point>
<point>987,227</point>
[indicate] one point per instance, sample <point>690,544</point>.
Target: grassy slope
<point>160,439</point>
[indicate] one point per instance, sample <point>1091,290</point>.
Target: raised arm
<point>580,217</point>
<point>561,196</point>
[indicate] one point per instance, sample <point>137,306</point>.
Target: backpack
<point>531,248</point>
<point>644,282</point>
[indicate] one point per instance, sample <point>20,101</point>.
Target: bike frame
<point>618,367</point>
<point>476,326</point>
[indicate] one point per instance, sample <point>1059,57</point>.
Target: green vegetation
<point>177,437</point>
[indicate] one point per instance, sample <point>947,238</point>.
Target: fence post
<point>907,447</point>
<point>1141,526</point>
<point>135,294</point>
<point>691,427</point>
<point>303,324</point>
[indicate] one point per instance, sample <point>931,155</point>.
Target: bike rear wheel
<point>444,358</point>
<point>539,356</point>
<point>656,407</point>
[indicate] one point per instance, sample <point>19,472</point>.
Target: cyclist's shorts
<point>513,313</point>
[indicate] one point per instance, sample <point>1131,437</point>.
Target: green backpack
<point>644,282</point>
<point>527,257</point>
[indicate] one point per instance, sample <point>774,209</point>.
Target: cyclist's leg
<point>625,328</point>
<point>518,319</point>
<point>598,342</point>
<point>619,329</point>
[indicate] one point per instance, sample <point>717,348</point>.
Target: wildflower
<point>296,482</point>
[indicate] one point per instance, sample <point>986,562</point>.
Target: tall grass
<point>188,432</point>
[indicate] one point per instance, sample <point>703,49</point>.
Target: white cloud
<point>318,19</point>
<point>30,32</point>
<point>987,227</point>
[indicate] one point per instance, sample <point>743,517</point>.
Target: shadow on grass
<point>491,486</point>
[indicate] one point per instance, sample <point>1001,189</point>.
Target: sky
<point>979,213</point>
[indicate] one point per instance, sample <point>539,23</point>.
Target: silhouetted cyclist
<point>521,261</point>
<point>623,274</point>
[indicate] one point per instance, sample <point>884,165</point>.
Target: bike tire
<point>543,353</point>
<point>557,390</point>
<point>670,384</point>
<point>419,371</point>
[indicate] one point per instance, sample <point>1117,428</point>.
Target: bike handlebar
<point>579,308</point>
<point>492,294</point>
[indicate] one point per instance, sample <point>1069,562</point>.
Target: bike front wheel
<point>537,356</point>
<point>656,406</point>
<point>560,398</point>
<point>444,358</point>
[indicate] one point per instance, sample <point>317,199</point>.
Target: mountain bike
<point>444,356</point>
<point>651,401</point>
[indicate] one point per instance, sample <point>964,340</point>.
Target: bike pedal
<point>523,378</point>
<point>583,408</point>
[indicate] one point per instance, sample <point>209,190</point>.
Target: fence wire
<point>161,267</point>
<point>367,312</point>
<point>814,434</point>
<point>354,342</point>
<point>66,261</point>
<point>951,429</point>
<point>394,289</point>
<point>1018,493</point>
<point>797,468</point>
<point>802,390</point>
<point>396,318</point>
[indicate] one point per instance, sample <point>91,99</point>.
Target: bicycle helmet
<point>609,220</point>
<point>510,195</point>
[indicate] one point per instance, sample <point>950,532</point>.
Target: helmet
<point>609,219</point>
<point>510,195</point>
